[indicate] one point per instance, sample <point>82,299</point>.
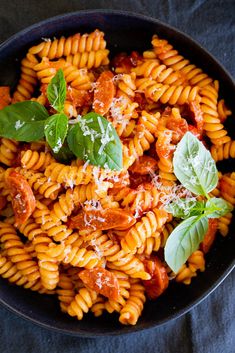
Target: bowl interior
<point>123,32</point>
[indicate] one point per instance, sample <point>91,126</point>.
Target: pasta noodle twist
<point>140,200</point>
<point>212,124</point>
<point>79,194</point>
<point>15,250</point>
<point>74,254</point>
<point>66,46</point>
<point>65,291</point>
<point>8,151</point>
<point>41,184</point>
<point>224,151</point>
<point>9,271</point>
<point>82,302</point>
<point>48,267</point>
<point>171,58</point>
<point>196,261</point>
<point>36,160</point>
<point>137,145</point>
<point>51,226</point>
<point>227,187</point>
<point>99,306</point>
<point>134,305</point>
<point>159,73</point>
<point>28,79</point>
<point>73,175</point>
<point>77,78</point>
<point>151,244</point>
<point>136,236</point>
<point>223,111</point>
<point>117,259</point>
<point>124,287</point>
<point>170,94</point>
<point>223,224</point>
<point>126,85</point>
<point>92,59</point>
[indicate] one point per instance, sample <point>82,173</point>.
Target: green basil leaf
<point>194,167</point>
<point>184,240</point>
<point>64,155</point>
<point>95,140</point>
<point>56,91</point>
<point>23,121</point>
<point>217,207</point>
<point>56,128</point>
<point>75,141</point>
<point>184,208</point>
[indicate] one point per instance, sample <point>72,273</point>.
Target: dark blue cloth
<point>208,328</point>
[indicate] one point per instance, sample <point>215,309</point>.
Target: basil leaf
<point>23,121</point>
<point>75,141</point>
<point>184,240</point>
<point>217,207</point>
<point>95,140</point>
<point>56,128</point>
<point>56,91</point>
<point>194,167</point>
<point>184,208</point>
<point>64,155</point>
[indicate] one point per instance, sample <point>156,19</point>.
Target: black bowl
<point>123,32</point>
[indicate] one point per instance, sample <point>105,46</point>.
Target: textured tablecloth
<point>208,328</point>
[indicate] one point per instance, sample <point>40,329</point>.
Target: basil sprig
<point>91,137</point>
<point>56,91</point>
<point>196,170</point>
<point>95,140</point>
<point>23,121</point>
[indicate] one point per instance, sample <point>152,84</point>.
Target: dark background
<point>208,328</point>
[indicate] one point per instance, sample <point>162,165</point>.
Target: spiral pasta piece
<point>212,124</point>
<point>28,79</point>
<point>224,151</point>
<point>124,287</point>
<point>92,59</point>
<point>82,302</point>
<point>136,146</point>
<point>170,94</point>
<point>227,187</point>
<point>223,111</point>
<point>99,306</point>
<point>116,258</point>
<point>41,184</point>
<point>223,224</point>
<point>151,244</point>
<point>36,160</point>
<point>65,291</point>
<point>30,229</point>
<point>77,256</point>
<point>160,73</point>
<point>51,226</point>
<point>134,305</point>
<point>8,151</point>
<point>171,58</point>
<point>149,224</point>
<point>185,275</point>
<point>196,261</point>
<point>73,197</point>
<point>126,85</point>
<point>138,201</point>
<point>15,250</point>
<point>73,175</point>
<point>9,271</point>
<point>77,78</point>
<point>48,267</point>
<point>69,46</point>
